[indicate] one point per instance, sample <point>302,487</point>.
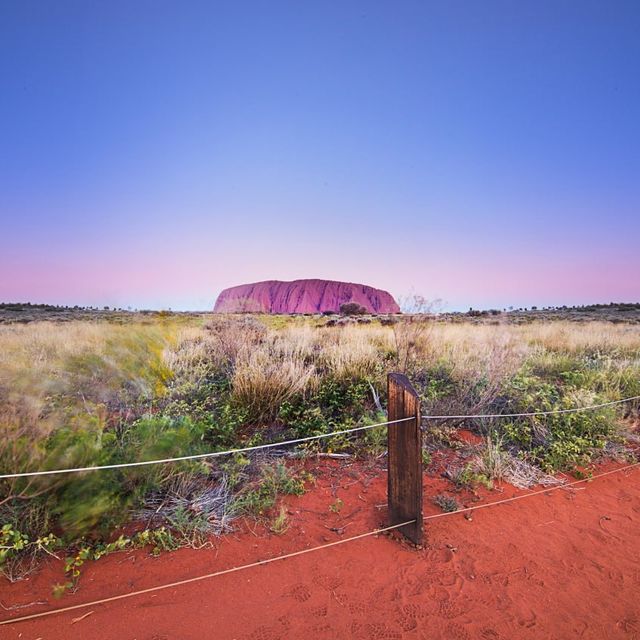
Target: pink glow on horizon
<point>485,156</point>
<point>194,280</point>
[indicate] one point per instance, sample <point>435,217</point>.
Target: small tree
<point>412,331</point>
<point>352,309</point>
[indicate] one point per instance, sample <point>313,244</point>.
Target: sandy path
<point>559,565</point>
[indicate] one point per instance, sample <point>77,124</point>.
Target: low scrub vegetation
<point>84,393</point>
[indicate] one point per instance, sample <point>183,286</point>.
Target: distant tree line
<point>31,306</point>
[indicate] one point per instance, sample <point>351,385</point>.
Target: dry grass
<point>353,351</point>
<point>267,365</point>
<point>40,349</point>
<point>82,392</point>
<point>494,462</point>
<point>72,376</point>
<point>267,376</point>
<point>44,344</point>
<point>92,364</point>
<point>195,509</point>
<point>569,337</point>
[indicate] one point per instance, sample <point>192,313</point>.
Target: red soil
<point>558,565</point>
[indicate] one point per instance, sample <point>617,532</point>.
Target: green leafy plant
<point>258,497</point>
<point>280,523</point>
<point>446,503</point>
<point>16,547</point>
<point>160,539</point>
<point>124,388</point>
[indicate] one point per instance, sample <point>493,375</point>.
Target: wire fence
<point>300,552</point>
<point>526,414</point>
<point>202,456</point>
<point>270,445</point>
<point>377,531</point>
<point>206,576</point>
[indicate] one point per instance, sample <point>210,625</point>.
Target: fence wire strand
<point>258,563</point>
<point>530,413</point>
<point>532,493</point>
<point>200,456</point>
<point>270,445</point>
<point>206,576</point>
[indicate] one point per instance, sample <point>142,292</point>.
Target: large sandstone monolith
<point>303,296</point>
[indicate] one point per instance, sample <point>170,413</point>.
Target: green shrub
<point>336,404</point>
<point>100,500</point>
<point>560,440</point>
<point>446,503</point>
<point>352,309</point>
<point>259,497</point>
<point>435,382</point>
<point>87,394</point>
<point>304,420</point>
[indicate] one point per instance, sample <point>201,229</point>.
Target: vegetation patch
<point>447,503</point>
<point>84,393</point>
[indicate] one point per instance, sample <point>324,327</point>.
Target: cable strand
<point>216,454</point>
<point>258,563</point>
<point>533,493</point>
<point>199,456</point>
<point>206,576</point>
<point>530,413</point>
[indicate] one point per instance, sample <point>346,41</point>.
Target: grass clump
<point>257,497</point>
<point>280,523</point>
<point>447,503</point>
<point>85,393</point>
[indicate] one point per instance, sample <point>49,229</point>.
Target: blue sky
<point>154,153</point>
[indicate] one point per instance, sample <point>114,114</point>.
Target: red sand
<point>559,565</point>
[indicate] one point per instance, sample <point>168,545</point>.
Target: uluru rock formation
<point>303,296</point>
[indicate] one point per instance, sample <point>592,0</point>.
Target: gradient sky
<point>485,153</point>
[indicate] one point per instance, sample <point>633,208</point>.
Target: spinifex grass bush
<point>267,376</point>
<point>97,501</point>
<point>560,440</point>
<point>95,393</point>
<point>74,396</point>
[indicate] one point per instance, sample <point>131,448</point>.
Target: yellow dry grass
<point>287,359</point>
<point>39,348</point>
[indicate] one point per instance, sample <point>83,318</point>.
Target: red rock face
<point>302,296</point>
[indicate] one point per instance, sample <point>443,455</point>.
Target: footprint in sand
<point>319,612</point>
<point>441,556</point>
<point>451,579</point>
<point>358,607</point>
<point>450,609</point>
<point>408,616</point>
<point>494,601</point>
<point>529,620</point>
<point>416,580</point>
<point>374,631</point>
<point>326,581</point>
<point>377,594</point>
<point>299,592</point>
<point>321,631</point>
<point>455,631</point>
<point>285,621</point>
<point>264,632</point>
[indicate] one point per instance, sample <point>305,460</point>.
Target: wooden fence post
<point>405,457</point>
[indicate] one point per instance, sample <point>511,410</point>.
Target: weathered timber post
<point>405,457</point>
